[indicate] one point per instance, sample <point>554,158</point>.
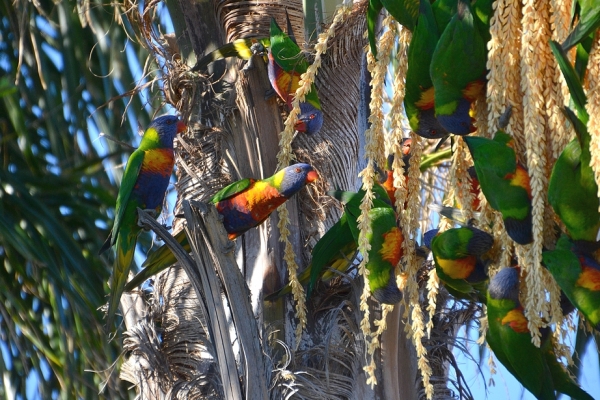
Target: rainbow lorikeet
<point>504,182</point>
<point>144,185</point>
<point>385,240</point>
<point>578,275</point>
<point>572,188</point>
<point>285,66</point>
<point>338,246</point>
<point>457,255</point>
<point>419,97</point>
<point>458,84</point>
<point>244,204</point>
<point>537,369</point>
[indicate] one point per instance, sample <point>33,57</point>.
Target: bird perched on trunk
<point>285,66</point>
<point>144,184</point>
<point>244,204</point>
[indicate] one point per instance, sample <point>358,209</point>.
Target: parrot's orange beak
<point>181,126</point>
<point>300,126</point>
<point>312,176</point>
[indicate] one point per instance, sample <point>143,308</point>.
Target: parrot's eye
<point>312,116</point>
<point>169,122</point>
<point>433,132</point>
<point>298,170</point>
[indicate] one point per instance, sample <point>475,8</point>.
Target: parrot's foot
<point>256,49</point>
<point>504,119</point>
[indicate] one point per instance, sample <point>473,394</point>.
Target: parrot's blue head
<point>428,237</point>
<point>460,121</point>
<point>505,285</point>
<point>429,127</point>
<point>293,178</point>
<point>167,127</point>
<point>310,119</point>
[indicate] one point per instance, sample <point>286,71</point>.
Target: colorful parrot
<point>144,185</point>
<point>458,84</point>
<point>285,66</point>
<point>385,240</point>
<point>337,249</point>
<point>244,204</point>
<point>419,97</point>
<point>537,369</point>
<point>572,188</point>
<point>504,182</point>
<point>457,255</point>
<point>578,275</point>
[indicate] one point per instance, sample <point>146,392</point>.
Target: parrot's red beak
<point>312,176</point>
<point>181,126</point>
<point>473,127</point>
<point>300,126</point>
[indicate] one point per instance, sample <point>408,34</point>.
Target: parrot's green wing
<point>443,10</point>
<point>285,51</point>
<point>457,84</point>
<point>134,164</point>
<point>482,12</point>
<point>231,190</point>
<point>589,21</point>
<point>561,379</point>
<point>405,12</point>
<point>330,247</point>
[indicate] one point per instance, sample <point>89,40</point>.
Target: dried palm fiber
<point>394,140</point>
<point>535,59</point>
<point>374,153</point>
<point>504,79</point>
<point>284,157</point>
<point>593,107</point>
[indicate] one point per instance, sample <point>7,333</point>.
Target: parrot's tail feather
<point>124,257</point>
<point>242,48</point>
